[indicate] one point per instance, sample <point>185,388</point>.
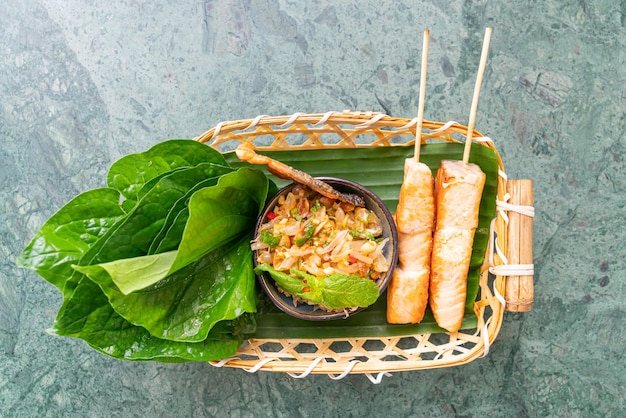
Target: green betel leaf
<point>88,315</point>
<point>131,273</point>
<point>189,303</point>
<point>217,215</point>
<point>207,304</point>
<point>130,173</point>
<point>234,204</point>
<point>171,233</point>
<point>69,233</point>
<point>135,234</point>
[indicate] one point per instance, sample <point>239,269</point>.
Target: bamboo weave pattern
<point>376,356</point>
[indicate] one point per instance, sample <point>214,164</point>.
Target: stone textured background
<point>84,82</point>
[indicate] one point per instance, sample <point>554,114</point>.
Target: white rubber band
<point>346,371</point>
<point>324,118</point>
<point>445,126</point>
<point>259,365</point>
<point>414,122</point>
<point>372,121</point>
<point>308,370</point>
<point>506,269</point>
<point>254,369</point>
<point>224,362</point>
<point>503,212</point>
<point>292,119</point>
<point>513,270</point>
<point>485,335</point>
<point>521,209</point>
<point>408,125</point>
<point>500,253</point>
<point>484,139</point>
<point>217,130</point>
<point>255,122</point>
<point>379,377</point>
<point>454,346</point>
<point>499,296</point>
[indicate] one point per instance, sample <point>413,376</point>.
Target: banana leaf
<point>381,170</point>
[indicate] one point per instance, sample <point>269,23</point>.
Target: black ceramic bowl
<point>312,312</point>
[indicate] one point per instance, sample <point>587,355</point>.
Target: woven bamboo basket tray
<point>505,278</point>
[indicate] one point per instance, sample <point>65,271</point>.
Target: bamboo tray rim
<point>390,354</point>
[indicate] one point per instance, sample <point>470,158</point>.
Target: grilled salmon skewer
<point>407,294</point>
<point>458,190</point>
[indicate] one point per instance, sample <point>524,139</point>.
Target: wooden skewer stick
<point>422,95</point>
<point>479,80</point>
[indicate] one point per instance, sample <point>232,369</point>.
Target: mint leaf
<point>337,291</point>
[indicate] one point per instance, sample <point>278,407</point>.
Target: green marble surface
<point>84,82</point>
